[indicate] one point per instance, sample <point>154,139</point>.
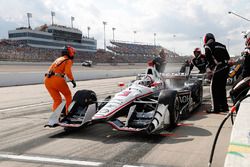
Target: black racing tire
<point>185,113</point>
<point>85,97</point>
<point>197,92</point>
<point>69,129</point>
<point>170,97</point>
<point>201,95</point>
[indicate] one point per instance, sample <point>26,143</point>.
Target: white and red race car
<point>151,103</point>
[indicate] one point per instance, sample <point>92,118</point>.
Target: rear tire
<point>185,113</point>
<point>201,95</point>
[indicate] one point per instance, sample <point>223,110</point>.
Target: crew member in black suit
<point>217,57</point>
<point>160,61</point>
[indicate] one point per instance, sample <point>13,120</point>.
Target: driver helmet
<point>147,80</point>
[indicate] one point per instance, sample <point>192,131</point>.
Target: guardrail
<point>238,154</point>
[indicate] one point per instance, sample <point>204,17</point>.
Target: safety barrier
<point>26,78</point>
<point>239,148</point>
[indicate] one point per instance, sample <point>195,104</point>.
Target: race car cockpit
<point>147,81</point>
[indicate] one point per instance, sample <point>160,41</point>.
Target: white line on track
<point>53,160</point>
<point>25,106</point>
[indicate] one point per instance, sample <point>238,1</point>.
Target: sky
<point>179,25</point>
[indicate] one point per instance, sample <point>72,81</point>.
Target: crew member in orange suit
<point>55,78</point>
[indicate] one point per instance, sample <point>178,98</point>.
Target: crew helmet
<point>207,37</point>
<point>247,37</point>
<point>197,50</point>
<point>69,51</point>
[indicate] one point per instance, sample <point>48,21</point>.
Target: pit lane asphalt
<point>22,133</point>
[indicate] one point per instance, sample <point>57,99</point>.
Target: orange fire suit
<point>56,84</point>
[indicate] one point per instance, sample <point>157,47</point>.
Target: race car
<point>87,63</point>
<point>150,104</point>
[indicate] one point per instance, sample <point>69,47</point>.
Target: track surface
<point>25,142</point>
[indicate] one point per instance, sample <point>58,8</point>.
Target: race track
<point>24,110</point>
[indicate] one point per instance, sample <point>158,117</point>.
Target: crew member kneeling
<point>55,81</point>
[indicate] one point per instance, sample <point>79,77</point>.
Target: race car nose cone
<point>98,118</point>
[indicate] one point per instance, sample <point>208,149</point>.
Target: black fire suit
<point>200,62</point>
<point>217,57</point>
<point>246,64</point>
<point>160,64</point>
<point>241,88</point>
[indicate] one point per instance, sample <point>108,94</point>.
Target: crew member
<point>198,61</point>
<point>55,81</point>
<point>235,70</point>
<point>241,88</point>
<point>160,61</point>
<point>246,55</point>
<point>185,66</point>
<point>217,57</point>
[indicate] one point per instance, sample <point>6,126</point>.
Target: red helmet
<point>69,51</point>
<point>247,43</point>
<point>197,51</point>
<point>207,37</point>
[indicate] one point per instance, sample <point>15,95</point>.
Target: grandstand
<point>53,37</point>
<point>11,50</point>
<point>45,42</point>
<point>137,49</point>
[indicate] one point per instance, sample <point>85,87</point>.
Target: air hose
<point>230,113</point>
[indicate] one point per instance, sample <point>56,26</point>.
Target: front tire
<point>85,97</point>
<point>170,98</point>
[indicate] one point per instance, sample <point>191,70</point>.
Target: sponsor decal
<point>184,98</point>
<point>103,111</point>
<point>125,93</point>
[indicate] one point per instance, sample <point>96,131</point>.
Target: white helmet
<point>148,80</point>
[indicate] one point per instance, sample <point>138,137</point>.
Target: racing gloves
<point>73,83</point>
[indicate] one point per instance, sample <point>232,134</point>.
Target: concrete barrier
<point>15,78</point>
<point>26,78</point>
<point>238,154</point>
